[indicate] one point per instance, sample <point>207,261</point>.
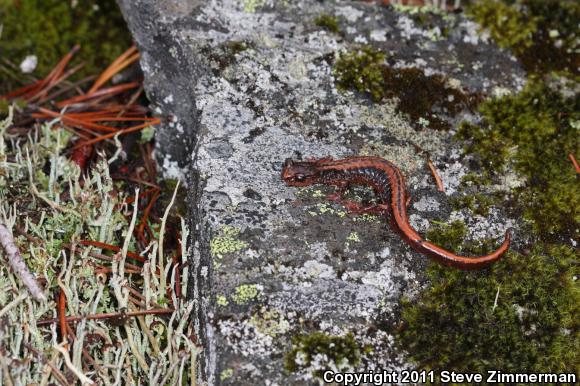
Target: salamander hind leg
<point>357,209</point>
<point>338,195</point>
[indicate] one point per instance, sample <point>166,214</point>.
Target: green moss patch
<point>543,34</point>
<point>339,352</point>
<point>520,315</point>
<point>225,54</point>
<point>328,23</point>
<point>533,132</point>
<point>50,28</point>
<point>424,98</point>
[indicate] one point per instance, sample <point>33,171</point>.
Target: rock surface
<point>249,83</point>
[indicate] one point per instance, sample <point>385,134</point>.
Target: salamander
<point>388,184</point>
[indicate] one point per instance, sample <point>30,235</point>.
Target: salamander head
<point>300,173</point>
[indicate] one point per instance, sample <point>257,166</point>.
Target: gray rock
<point>248,84</point>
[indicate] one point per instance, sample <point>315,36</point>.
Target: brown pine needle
<point>127,58</point>
<point>120,132</point>
<point>106,92</point>
<point>438,181</point>
<point>110,315</point>
<point>574,162</point>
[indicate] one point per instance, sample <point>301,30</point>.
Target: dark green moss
<point>337,349</point>
<point>449,236</point>
<point>533,132</point>
<point>362,70</point>
<point>457,323</point>
<point>328,23</point>
<point>225,53</point>
<point>420,96</point>
<point>542,33</point>
<point>50,28</point>
<point>478,204</point>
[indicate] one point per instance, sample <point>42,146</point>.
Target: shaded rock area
<point>246,84</point>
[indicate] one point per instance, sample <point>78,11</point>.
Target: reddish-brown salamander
<point>388,184</point>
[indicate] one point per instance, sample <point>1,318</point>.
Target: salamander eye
<point>299,177</point>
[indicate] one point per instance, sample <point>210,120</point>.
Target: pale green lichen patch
<point>247,293</point>
<point>226,373</point>
<point>367,218</point>
<point>252,6</point>
<point>221,300</point>
<point>270,322</point>
<point>353,237</point>
<point>226,242</point>
<point>327,208</point>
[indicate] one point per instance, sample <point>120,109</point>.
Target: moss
<point>533,132</point>
<point>341,351</point>
<point>449,236</point>
<point>458,323</point>
<point>508,25</point>
<point>542,33</point>
<point>224,55</point>
<point>361,70</point>
<point>50,28</point>
<point>328,23</point>
<point>421,95</point>
<point>478,204</point>
<point>521,313</point>
<point>424,98</point>
<point>247,293</point>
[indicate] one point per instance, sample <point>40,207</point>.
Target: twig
<point>110,315</point>
<point>106,258</point>
<point>19,266</point>
<point>438,181</point>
